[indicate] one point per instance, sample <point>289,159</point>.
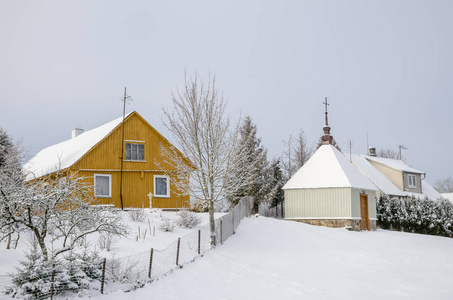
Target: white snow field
<point>276,259</point>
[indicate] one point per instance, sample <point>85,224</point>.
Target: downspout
<point>122,151</point>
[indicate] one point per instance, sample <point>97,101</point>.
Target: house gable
<point>106,155</point>
<point>391,176</point>
<point>131,182</point>
<point>395,176</point>
<point>405,178</point>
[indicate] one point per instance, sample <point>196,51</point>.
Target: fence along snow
<point>133,271</point>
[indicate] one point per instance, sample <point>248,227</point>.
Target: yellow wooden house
<point>122,169</point>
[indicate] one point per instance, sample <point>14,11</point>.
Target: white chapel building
<point>329,190</point>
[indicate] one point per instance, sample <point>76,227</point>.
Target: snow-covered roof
<point>448,196</point>
<point>384,184</point>
<point>328,168</point>
<point>377,177</point>
<point>428,191</point>
<point>394,164</point>
<point>65,154</point>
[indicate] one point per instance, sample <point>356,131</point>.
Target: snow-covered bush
<point>106,240</point>
<point>137,215</point>
<point>122,269</point>
<point>200,205</point>
<point>72,273</point>
<point>188,219</point>
<point>167,225</point>
<point>33,277</point>
<point>90,262</point>
<point>416,215</point>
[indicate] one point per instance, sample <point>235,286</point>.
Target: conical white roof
<point>328,168</point>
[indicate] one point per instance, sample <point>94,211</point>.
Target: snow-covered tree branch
<point>209,140</point>
<point>60,201</point>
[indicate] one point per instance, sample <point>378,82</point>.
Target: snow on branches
<point>57,205</point>
<point>416,215</point>
<point>210,143</point>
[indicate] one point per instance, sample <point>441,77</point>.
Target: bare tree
<point>444,185</point>
<point>209,141</point>
<point>57,203</point>
<point>11,180</point>
<point>389,153</point>
<point>302,151</point>
<point>288,157</point>
<point>296,154</point>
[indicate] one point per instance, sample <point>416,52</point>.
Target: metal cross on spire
<point>325,103</point>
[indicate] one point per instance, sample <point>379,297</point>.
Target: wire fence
<point>134,271</point>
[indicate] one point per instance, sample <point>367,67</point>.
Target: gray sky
<point>385,66</point>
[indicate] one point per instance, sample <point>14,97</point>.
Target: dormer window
<point>411,178</point>
<point>135,152</point>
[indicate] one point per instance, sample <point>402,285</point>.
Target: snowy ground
<point>123,247</point>
<point>275,259</point>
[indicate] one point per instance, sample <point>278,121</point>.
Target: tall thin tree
<point>209,141</point>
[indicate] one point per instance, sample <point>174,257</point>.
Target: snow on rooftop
<point>448,196</point>
<point>428,191</point>
<point>65,154</point>
<point>328,168</point>
<point>384,184</point>
<point>376,176</point>
<point>394,164</point>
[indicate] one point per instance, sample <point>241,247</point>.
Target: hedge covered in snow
<point>415,215</point>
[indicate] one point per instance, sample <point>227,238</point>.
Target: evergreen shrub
<point>416,215</point>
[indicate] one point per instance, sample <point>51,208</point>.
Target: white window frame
<point>110,185</point>
<point>130,143</point>
<point>168,186</point>
<point>414,180</point>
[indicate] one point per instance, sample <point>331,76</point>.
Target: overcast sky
<point>385,66</point>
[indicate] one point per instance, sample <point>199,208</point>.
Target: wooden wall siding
<point>136,190</point>
<point>106,156</point>
<point>318,203</point>
<point>355,206</point>
<point>395,176</point>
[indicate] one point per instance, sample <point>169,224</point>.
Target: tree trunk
<point>8,243</point>
<point>255,205</point>
<point>42,245</point>
<point>212,223</point>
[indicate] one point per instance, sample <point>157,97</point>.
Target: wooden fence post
<point>52,282</point>
<point>150,262</point>
<point>199,241</point>
<point>221,233</point>
<point>233,221</point>
<point>103,276</point>
<point>177,252</point>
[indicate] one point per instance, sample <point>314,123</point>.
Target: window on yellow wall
<point>135,152</point>
<point>102,185</point>
<point>161,186</point>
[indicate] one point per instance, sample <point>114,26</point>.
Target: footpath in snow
<point>275,259</point>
